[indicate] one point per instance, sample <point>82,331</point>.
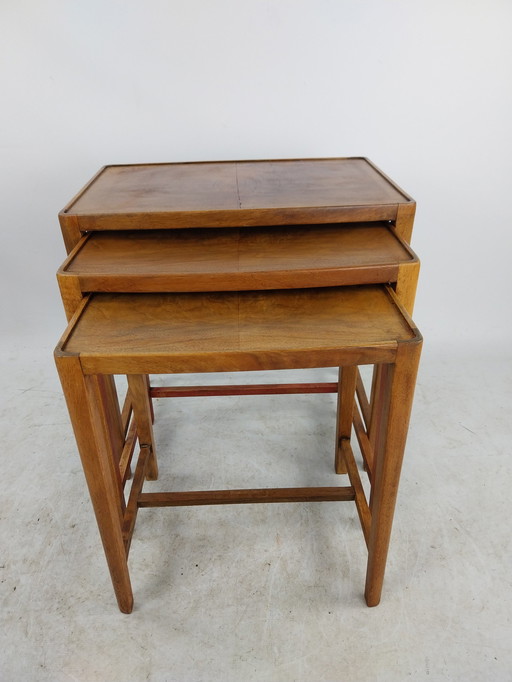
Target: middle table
<point>231,259</point>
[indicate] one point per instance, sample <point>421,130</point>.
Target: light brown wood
<point>84,401</point>
<point>126,413</point>
<point>406,283</point>
<point>363,399</point>
<point>148,390</point>
<point>347,378</point>
<point>248,193</point>
<point>69,222</point>
<point>72,297</point>
<point>404,220</point>
<point>71,232</point>
<point>221,194</point>
<point>235,259</point>
<point>379,393</point>
<point>364,443</point>
<point>380,376</point>
<point>168,333</point>
<point>260,283</point>
<point>315,183</point>
<point>234,193</point>
<point>365,516</point>
<point>127,454</point>
<point>130,515</point>
<point>365,319</point>
<point>71,292</point>
<point>400,383</point>
<point>249,496</point>
<point>141,406</point>
<point>112,415</point>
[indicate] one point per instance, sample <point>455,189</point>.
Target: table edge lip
<point>66,211</point>
<point>64,268</point>
<point>60,351</point>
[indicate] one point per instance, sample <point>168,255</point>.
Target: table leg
<point>398,383</point>
<point>347,379</point>
<point>85,399</point>
<point>142,412</point>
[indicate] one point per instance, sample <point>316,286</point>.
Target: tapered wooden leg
<point>399,386</point>
<point>85,399</point>
<point>141,405</point>
<point>347,379</point>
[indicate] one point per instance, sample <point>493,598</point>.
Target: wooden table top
<point>235,259</point>
<point>234,331</point>
<point>235,193</point>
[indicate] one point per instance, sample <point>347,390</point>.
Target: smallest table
<point>169,333</point>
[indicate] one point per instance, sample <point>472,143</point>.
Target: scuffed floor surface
<point>261,592</point>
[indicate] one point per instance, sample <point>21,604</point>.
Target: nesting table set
<point>228,267</point>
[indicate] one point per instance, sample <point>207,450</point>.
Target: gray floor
<point>262,592</point>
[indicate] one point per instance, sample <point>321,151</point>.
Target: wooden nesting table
<point>236,194</point>
<point>233,266</point>
<point>232,259</point>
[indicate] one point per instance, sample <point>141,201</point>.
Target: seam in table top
<point>237,186</point>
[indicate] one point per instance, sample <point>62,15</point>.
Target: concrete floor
<point>262,592</point>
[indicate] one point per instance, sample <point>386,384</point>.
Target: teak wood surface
<point>235,259</point>
<point>236,331</point>
<point>286,225</point>
<point>134,334</point>
<point>236,193</point>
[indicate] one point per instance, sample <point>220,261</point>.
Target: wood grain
<point>248,496</point>
<point>233,193</point>
<point>141,406</point>
<point>347,379</point>
<point>262,282</point>
<point>160,333</point>
<point>406,284</point>
<point>399,391</point>
<point>85,403</point>
<point>235,259</point>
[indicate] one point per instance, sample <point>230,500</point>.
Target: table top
<point>236,259</point>
<point>235,193</point>
<point>234,331</point>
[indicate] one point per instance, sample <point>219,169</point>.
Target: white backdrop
<point>423,88</point>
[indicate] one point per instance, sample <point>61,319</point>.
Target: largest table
<point>236,193</point>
